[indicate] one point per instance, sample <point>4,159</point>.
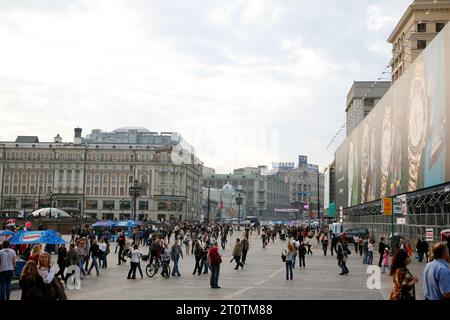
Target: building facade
<point>361,99</point>
<point>305,187</point>
<point>264,192</point>
<point>422,21</point>
<point>92,176</point>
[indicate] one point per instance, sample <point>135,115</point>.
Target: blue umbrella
<point>5,233</point>
<point>37,237</point>
<point>127,224</point>
<point>103,224</point>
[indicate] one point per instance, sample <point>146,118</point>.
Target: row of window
<point>68,156</point>
<point>422,27</point>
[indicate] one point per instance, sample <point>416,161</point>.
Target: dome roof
<point>228,186</point>
<point>126,129</point>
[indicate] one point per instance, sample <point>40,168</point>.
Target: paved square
<point>263,277</point>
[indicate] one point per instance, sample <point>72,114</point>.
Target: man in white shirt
<point>7,263</point>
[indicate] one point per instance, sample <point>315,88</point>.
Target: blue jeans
<point>293,261</point>
<point>214,280</point>
<point>94,264</point>
<point>288,270</point>
<point>80,264</point>
<point>175,270</point>
<point>5,284</point>
<point>205,266</point>
<point>369,257</point>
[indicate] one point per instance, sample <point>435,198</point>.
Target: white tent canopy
<point>45,212</point>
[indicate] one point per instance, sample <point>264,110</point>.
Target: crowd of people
<point>165,247</point>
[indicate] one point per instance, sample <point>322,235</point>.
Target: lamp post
<point>51,196</point>
<point>122,203</point>
<point>135,192</point>
<point>239,202</point>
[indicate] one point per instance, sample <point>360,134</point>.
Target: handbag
<point>283,255</point>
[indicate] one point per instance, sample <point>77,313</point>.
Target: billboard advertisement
<point>402,144</point>
<point>326,189</point>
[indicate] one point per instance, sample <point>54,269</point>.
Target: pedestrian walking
<point>94,252</point>
<point>198,253</point>
<point>121,241</point>
<point>404,281</point>
<point>165,257</point>
<point>245,246</point>
<point>7,264</point>
<point>369,252</point>
<point>175,253</point>
<point>324,242</point>
<point>302,254</point>
<point>381,247</point>
<point>342,255</point>
<point>135,262</point>
<point>204,260</point>
<point>264,240</point>
<point>237,254</point>
<point>61,261</point>
<point>214,261</point>
<point>437,274</point>
<point>187,242</point>
<point>365,250</point>
<point>31,283</point>
<point>309,242</point>
<point>53,288</point>
<point>289,258</point>
<point>386,258</point>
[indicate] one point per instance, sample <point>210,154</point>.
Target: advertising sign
<point>387,206</point>
<point>429,234</point>
<point>326,189</point>
<point>403,143</point>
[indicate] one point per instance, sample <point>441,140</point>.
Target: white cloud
<point>243,81</point>
<point>376,20</point>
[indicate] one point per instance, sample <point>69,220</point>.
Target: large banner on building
<point>326,189</point>
<point>403,144</point>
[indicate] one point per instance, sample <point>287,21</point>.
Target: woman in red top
<point>35,253</point>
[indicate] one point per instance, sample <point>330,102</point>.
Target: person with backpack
<point>214,261</point>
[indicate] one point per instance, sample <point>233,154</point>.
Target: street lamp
<point>135,192</point>
<point>122,203</point>
<point>239,202</point>
<point>51,196</point>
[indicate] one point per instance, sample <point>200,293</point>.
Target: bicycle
<point>153,268</point>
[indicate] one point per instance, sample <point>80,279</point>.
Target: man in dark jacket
<point>121,242</point>
<point>381,247</point>
<point>245,247</point>
<point>237,253</point>
<point>342,254</point>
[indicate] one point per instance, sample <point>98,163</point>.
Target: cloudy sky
<point>246,82</point>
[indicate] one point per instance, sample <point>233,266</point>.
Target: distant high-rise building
<point>361,99</point>
<point>422,21</point>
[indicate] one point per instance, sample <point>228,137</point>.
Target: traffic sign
<point>387,206</point>
<point>429,234</point>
